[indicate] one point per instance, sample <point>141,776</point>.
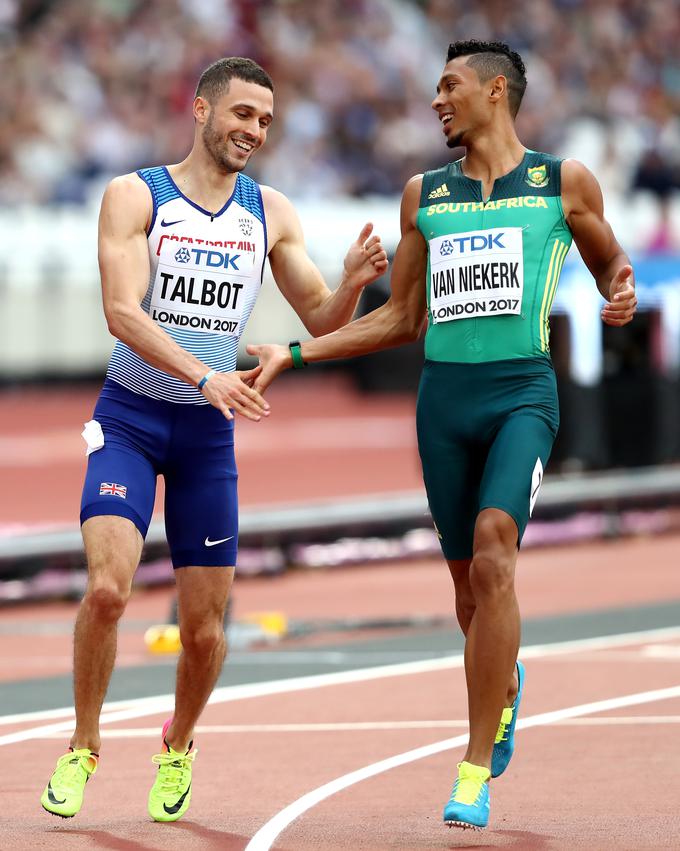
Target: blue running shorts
<point>192,447</point>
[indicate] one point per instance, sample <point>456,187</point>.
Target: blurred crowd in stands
<point>96,88</point>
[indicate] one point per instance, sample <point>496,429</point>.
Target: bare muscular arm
<point>320,309</point>
<point>599,248</point>
<point>124,267</point>
<point>396,322</point>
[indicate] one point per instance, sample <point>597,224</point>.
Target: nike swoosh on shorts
<point>210,543</point>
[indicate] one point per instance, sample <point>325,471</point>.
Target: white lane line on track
<point>661,651</point>
<point>124,710</point>
<point>324,727</point>
<point>372,726</point>
<point>616,721</point>
<point>269,832</point>
<point>63,712</point>
<point>653,653</point>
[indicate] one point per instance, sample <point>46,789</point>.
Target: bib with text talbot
<point>202,288</point>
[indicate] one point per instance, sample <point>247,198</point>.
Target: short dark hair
<point>490,58</point>
<point>215,79</point>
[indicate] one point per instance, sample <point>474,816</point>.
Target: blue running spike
<point>468,806</point>
<point>505,738</point>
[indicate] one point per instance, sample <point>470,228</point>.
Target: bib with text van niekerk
<point>476,274</point>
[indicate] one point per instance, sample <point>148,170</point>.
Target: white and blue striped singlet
<point>206,274</point>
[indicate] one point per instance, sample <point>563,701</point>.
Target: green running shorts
<point>485,433</point>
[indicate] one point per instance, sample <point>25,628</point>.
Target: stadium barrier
<point>285,526</point>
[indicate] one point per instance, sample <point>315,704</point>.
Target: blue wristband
<point>206,378</point>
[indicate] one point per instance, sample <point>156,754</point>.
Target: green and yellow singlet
<point>493,266</point>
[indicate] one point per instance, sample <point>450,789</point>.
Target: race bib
<point>201,288</point>
<point>478,273</point>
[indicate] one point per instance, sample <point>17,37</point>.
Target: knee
<point>492,572</point>
<point>492,577</point>
<point>202,639</point>
<point>107,600</point>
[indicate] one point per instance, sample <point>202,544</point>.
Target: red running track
<point>601,780</point>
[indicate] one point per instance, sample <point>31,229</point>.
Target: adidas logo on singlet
<point>440,192</point>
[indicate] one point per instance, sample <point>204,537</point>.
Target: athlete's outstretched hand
<point>273,360</point>
<point>366,259</point>
<point>226,390</point>
<point>620,308</point>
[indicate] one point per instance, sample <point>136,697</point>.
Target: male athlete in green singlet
<point>483,243</point>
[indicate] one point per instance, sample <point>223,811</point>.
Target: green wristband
<point>296,354</point>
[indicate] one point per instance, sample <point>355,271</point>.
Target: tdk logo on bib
<point>471,243</point>
<point>208,257</point>
<point>478,273</point>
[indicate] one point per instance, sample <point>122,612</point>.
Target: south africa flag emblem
<point>537,176</point>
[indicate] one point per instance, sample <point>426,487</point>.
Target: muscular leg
<point>113,546</point>
<point>202,598</point>
<point>465,601</point>
<point>488,608</point>
<point>465,609</point>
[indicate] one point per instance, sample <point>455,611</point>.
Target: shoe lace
<point>172,770</point>
<point>466,790</point>
<point>506,720</point>
<point>69,771</point>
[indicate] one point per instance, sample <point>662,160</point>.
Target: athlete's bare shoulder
<point>282,219</point>
<point>410,202</point>
<point>128,196</point>
<point>412,189</point>
<point>274,200</point>
<point>575,175</point>
<point>580,188</point>
<point>129,186</point>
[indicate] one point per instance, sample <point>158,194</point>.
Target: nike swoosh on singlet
<point>175,807</point>
<point>210,543</point>
<point>165,224</point>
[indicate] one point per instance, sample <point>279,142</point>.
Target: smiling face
<point>236,124</point>
<point>463,103</point>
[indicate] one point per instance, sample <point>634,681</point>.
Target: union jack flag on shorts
<point>112,489</point>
